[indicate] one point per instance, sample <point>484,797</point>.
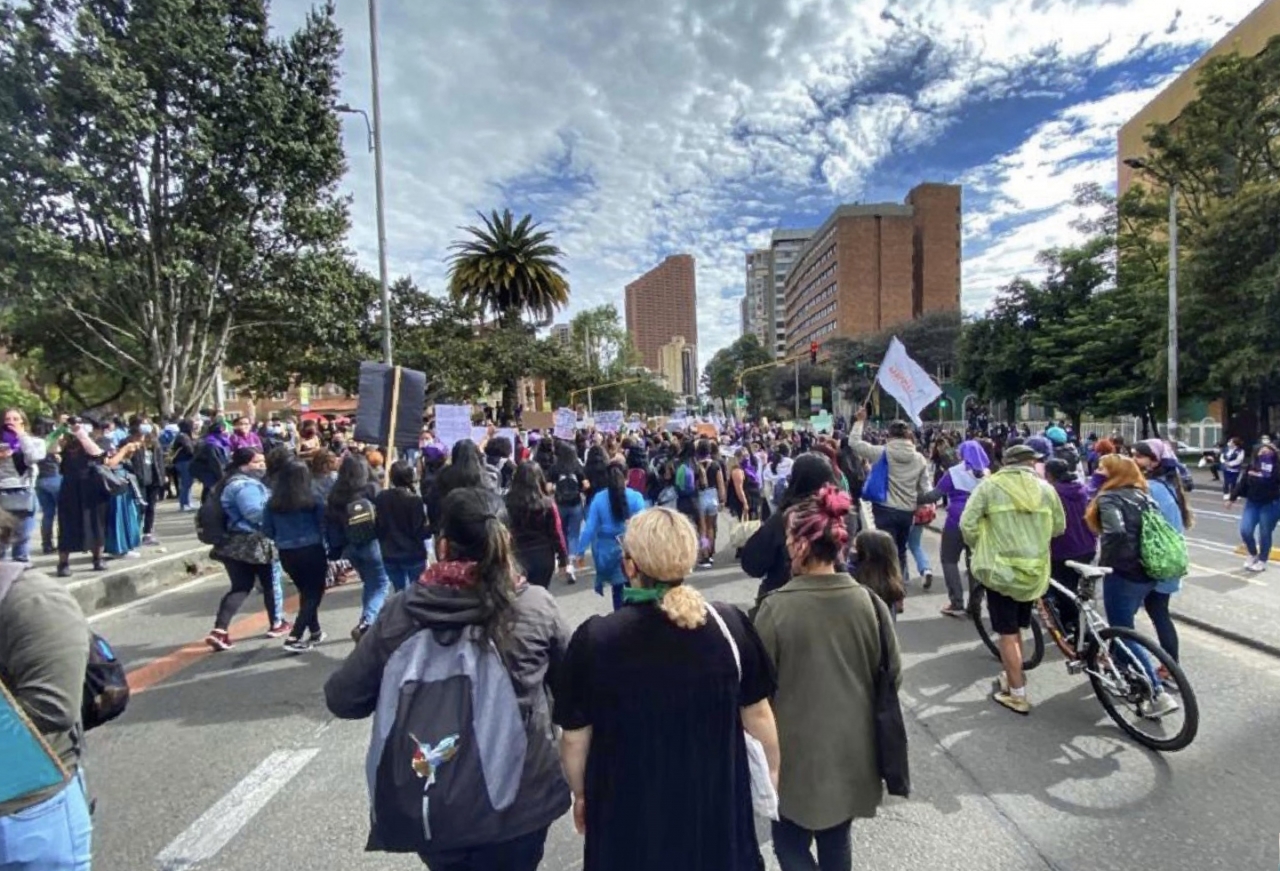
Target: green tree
<point>168,169</point>
<point>509,270</point>
<point>720,377</point>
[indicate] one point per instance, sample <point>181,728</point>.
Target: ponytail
<point>684,606</point>
<point>470,522</point>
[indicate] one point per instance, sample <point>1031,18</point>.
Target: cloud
<point>641,128</point>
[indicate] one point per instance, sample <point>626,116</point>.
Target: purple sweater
<point>1078,541</point>
<point>956,485</point>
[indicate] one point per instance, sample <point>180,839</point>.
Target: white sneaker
<point>1158,707</point>
<point>1257,567</point>
<point>1250,563</point>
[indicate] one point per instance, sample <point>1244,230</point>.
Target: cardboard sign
<point>539,420</point>
<point>453,424</point>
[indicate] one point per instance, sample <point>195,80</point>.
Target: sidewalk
<point>178,556</point>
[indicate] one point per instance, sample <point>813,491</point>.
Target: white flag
<point>904,380</point>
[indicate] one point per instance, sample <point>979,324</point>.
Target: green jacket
<point>821,632</point>
<point>1008,522</point>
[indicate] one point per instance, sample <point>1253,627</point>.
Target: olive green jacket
<point>822,634</point>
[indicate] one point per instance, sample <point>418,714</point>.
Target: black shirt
<point>667,752</point>
<point>402,524</point>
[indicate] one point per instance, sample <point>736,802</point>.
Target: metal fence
<point>1198,436</point>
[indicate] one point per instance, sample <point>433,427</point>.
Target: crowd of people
<point>456,548</point>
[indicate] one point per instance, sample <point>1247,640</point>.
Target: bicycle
<point>1032,637</point>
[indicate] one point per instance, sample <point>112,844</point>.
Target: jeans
<point>897,523</point>
<point>403,572</point>
<point>308,567</point>
<point>366,559</point>
<point>183,468</point>
<point>54,835</point>
<point>1261,517</point>
<point>917,551</point>
<point>952,551</point>
<point>47,490</point>
<point>1229,478</point>
<point>571,517</point>
<point>1157,605</point>
<point>792,845</point>
<point>1122,598</point>
<point>19,550</point>
<point>519,854</point>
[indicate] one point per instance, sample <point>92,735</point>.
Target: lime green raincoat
<point>1008,522</point>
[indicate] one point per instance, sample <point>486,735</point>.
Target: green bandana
<point>638,595</point>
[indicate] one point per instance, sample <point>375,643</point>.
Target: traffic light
<point>813,353</point>
<point>942,403</point>
<point>860,365</point>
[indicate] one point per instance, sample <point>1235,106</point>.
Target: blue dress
<point>124,525</point>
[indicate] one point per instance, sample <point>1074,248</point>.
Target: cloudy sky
<point>634,129</point>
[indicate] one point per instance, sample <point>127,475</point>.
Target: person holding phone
<point>20,454</point>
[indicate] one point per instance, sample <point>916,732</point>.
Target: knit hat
<point>1019,454</point>
<point>1056,434</point>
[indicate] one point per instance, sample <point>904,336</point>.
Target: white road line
<point>223,821</point>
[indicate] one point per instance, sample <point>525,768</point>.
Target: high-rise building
<point>784,247</point>
<point>562,334</point>
<point>869,267</point>
<point>663,303</point>
<point>754,309</point>
<point>678,365</point>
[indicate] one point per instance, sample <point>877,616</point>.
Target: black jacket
<point>1120,515</point>
<point>402,524</point>
<point>765,555</point>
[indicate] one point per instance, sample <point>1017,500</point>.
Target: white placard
<point>479,434</point>
<point>565,423</point>
<point>609,421</point>
<point>509,434</point>
<point>453,424</point>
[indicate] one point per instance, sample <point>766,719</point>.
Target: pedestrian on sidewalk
<point>82,500</point>
<point>246,552</point>
<point>294,519</point>
<point>20,454</point>
<point>653,707</point>
<point>183,452</point>
<point>825,700</point>
<point>402,527</point>
<point>48,486</point>
<point>146,464</point>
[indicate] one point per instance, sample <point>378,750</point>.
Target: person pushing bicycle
<point>1009,522</point>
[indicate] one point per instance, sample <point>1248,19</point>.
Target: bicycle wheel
<point>1122,685</point>
<point>1032,637</point>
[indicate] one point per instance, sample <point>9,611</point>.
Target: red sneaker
<point>280,630</point>
<point>219,640</point>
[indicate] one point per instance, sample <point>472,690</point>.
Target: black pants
<point>539,565</point>
<point>521,854</point>
<point>243,576</point>
<point>897,523</point>
<point>792,844</point>
<point>307,567</point>
<point>151,496</point>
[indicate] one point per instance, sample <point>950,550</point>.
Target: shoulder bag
<point>764,798</point>
<point>891,732</point>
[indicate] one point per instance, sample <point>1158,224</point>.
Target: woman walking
<point>606,520</point>
<point>147,466</point>
<point>567,479</point>
<point>246,552</point>
<point>875,559</point>
<point>183,452</point>
<point>470,602</point>
<point>825,699</point>
<point>653,707</point>
<point>402,527</point>
<point>534,522</point>
<point>293,518</point>
<point>1259,485</point>
<point>1165,485</point>
<point>351,532</point>
<point>954,486</point>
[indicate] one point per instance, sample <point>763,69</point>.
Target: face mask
<point>256,473</point>
<point>86,429</point>
<point>146,429</point>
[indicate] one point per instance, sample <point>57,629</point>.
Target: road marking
<point>1242,578</point>
<point>223,821</point>
<point>129,606</point>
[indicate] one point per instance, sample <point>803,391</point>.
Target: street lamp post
<point>375,145</point>
<point>1171,420</point>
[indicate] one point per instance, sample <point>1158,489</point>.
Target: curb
<point>129,583</point>
<point>1240,638</point>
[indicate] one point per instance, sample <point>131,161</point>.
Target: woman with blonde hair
<point>653,699</point>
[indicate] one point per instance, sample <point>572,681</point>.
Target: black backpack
<point>211,519</point>
<point>206,462</point>
<point>568,489</point>
<point>362,521</point>
<point>106,687</point>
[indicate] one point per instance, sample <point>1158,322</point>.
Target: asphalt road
<point>231,761</point>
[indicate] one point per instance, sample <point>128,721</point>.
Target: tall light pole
<point>375,145</point>
<point>1171,420</point>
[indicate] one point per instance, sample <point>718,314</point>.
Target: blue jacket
<point>1163,496</point>
<point>600,532</point>
<point>294,529</point>
<point>243,500</point>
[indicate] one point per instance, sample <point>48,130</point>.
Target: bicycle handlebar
<point>1087,570</point>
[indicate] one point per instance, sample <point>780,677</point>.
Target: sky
<point>635,129</point>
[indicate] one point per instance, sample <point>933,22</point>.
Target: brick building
<point>662,304</point>
<point>869,267</point>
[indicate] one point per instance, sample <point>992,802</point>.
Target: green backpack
<point>1163,550</point>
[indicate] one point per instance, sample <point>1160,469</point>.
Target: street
<point>231,761</point>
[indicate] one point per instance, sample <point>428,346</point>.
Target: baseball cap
<point>1020,454</point>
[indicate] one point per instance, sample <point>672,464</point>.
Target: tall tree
<point>509,270</point>
<point>725,371</point>
<point>168,169</point>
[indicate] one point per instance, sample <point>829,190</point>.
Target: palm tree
<point>508,270</point>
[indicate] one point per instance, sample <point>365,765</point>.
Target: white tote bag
<point>764,798</point>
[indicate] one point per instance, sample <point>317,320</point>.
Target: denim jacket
<point>243,499</point>
<point>294,529</point>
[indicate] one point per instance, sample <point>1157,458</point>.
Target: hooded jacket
<point>1009,522</point>
<point>962,479</point>
<point>444,602</point>
<point>908,469</point>
<point>1078,539</point>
